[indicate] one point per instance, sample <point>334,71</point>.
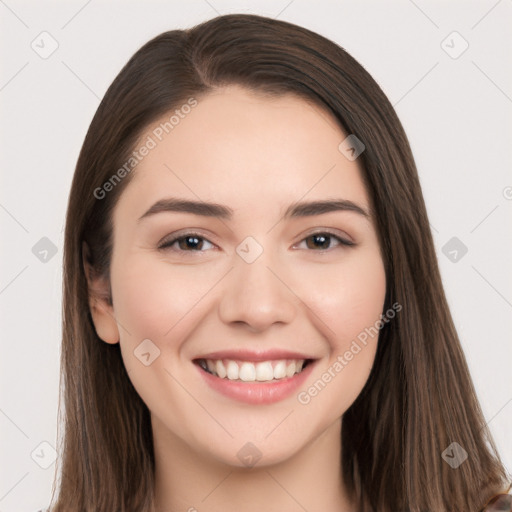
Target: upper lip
<point>254,355</point>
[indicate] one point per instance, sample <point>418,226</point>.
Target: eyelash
<point>167,244</point>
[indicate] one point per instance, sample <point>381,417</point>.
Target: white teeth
<point>246,371</point>
<point>290,369</point>
<point>264,371</point>
<point>280,370</point>
<point>220,370</point>
<point>232,370</point>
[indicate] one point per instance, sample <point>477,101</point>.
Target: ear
<point>100,303</point>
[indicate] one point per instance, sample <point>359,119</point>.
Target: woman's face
<point>256,285</point>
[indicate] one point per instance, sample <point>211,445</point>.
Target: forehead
<point>244,149</point>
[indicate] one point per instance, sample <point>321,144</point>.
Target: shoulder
<point>500,503</point>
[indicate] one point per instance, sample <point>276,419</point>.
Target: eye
<point>190,242</point>
<point>194,242</point>
<point>321,240</point>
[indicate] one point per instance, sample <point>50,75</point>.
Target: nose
<point>257,295</point>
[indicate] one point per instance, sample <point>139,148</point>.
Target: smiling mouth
<point>246,371</point>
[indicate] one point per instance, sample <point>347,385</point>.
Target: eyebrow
<point>302,209</point>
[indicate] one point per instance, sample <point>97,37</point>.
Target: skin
<point>257,156</point>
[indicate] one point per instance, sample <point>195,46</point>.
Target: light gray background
<point>456,112</point>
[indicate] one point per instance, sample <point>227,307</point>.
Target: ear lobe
<point>100,304</point>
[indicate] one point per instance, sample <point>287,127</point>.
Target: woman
<point>253,312</point>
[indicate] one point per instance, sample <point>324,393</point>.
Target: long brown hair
<point>419,397</point>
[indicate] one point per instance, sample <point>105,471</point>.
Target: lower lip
<point>257,392</point>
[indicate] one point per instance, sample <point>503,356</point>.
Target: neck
<point>193,482</point>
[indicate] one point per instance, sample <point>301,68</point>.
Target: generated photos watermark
<point>151,142</point>
<point>305,397</point>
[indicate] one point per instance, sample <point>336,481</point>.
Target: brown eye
<point>322,241</point>
<point>190,242</point>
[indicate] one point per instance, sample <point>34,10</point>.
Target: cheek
<point>361,301</point>
<point>151,300</point>
<point>350,305</point>
<point>154,302</point>
<point>351,298</point>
